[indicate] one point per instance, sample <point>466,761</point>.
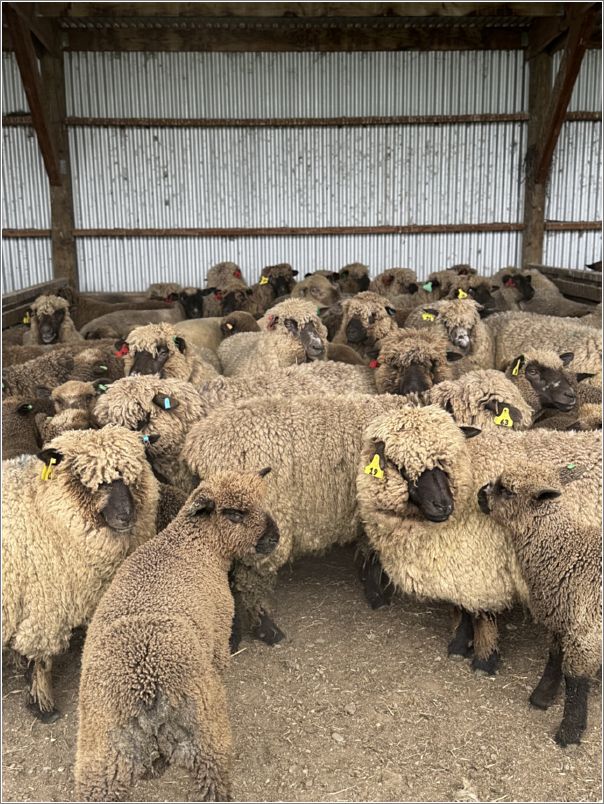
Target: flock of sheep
<point>164,457</point>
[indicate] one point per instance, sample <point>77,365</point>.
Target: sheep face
<point>367,318</point>
<point>239,298</point>
<point>229,507</point>
<point>318,289</point>
<point>353,278</point>
<point>237,322</point>
<point>503,497</point>
<point>154,349</point>
<point>280,278</point>
<point>523,284</point>
<point>309,337</point>
<point>550,384</point>
<point>412,361</point>
<point>77,395</point>
<point>192,301</point>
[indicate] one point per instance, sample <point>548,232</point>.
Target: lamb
<point>586,416</point>
<point>50,427</point>
<point>78,395</point>
<point>459,321</point>
<point>484,398</point>
<point>164,290</point>
<point>237,322</point>
<point>151,690</point>
<point>417,489</point>
<point>353,278</point>
<point>118,325</point>
<point>20,434</point>
<point>162,411</point>
<point>394,282</point>
<point>236,296</point>
<point>71,527</point>
<point>546,299</point>
<point>157,349</point>
<point>366,319</point>
<point>222,273</point>
<point>50,322</point>
<point>309,379</point>
<point>193,301</point>
<point>275,281</point>
<point>201,334</point>
<point>561,560</point>
<point>317,289</point>
<point>291,333</point>
<point>314,441</point>
<point>83,309</point>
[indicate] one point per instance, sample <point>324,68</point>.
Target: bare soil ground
<point>355,705</point>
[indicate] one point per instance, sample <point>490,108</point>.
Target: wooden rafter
<point>41,29</point>
<point>32,84</point>
<point>547,33</point>
<point>574,50</point>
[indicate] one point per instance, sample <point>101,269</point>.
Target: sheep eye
<point>531,370</point>
<point>233,514</point>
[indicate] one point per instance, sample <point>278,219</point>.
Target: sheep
<point>222,273</point>
<point>50,427</point>
<point>459,321</point>
<point>586,416</point>
<point>201,334</point>
<point>13,355</point>
<point>314,442</point>
<point>545,298</point>
<point>484,398</point>
<point>366,318</point>
<point>513,332</point>
<point>50,322</point>
<point>118,325</point>
<point>37,377</point>
<point>561,561</point>
<point>20,434</point>
<point>237,322</point>
<point>290,333</point>
<point>394,282</point>
<point>464,286</point>
<point>293,381</point>
<point>341,353</point>
<point>78,395</point>
<point>157,349</point>
<point>353,278</point>
<point>235,296</point>
<point>417,486</point>
<point>317,289</point>
<point>164,290</point>
<point>71,526</point>
<point>162,411</point>
<point>171,500</point>
<point>151,689</point>
<point>413,361</point>
<point>83,309</point>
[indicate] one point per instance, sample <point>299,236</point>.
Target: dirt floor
<point>355,705</point>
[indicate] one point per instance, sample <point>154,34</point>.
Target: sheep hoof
<point>45,717</point>
<point>460,647</point>
<point>267,631</point>
<point>541,699</point>
<point>568,735</point>
<point>490,665</point>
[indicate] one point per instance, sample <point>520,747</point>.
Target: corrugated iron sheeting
<point>132,264</point>
<point>25,188</point>
<point>13,94</point>
<point>575,188</point>
<point>572,249</point>
<point>25,262</point>
<point>587,92</point>
<point>268,85</point>
<point>162,178</point>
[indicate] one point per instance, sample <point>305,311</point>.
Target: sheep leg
<point>252,588</point>
<point>461,644</point>
<point>574,720</point>
<point>101,772</point>
<point>546,690</point>
<point>41,699</point>
<point>486,654</point>
<point>238,616</point>
<point>211,758</point>
<point>378,587</point>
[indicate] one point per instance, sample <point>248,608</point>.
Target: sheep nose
<point>570,395</point>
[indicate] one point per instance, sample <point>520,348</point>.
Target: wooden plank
<point>576,44</point>
<point>540,81</point>
<point>32,84</point>
<point>64,258</point>
<point>548,32</point>
<point>83,10</point>
<point>42,29</point>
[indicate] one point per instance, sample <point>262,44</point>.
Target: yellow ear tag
<point>263,280</point>
<point>374,467</point>
<point>428,316</point>
<point>48,467</point>
<point>461,294</point>
<point>504,419</point>
<point>26,319</point>
<point>516,368</point>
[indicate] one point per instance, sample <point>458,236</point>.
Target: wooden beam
<point>32,84</point>
<point>41,29</point>
<point>576,44</point>
<point>540,85</point>
<point>64,258</point>
<point>547,33</point>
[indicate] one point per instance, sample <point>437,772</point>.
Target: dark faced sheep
<point>50,322</point>
<point>366,319</point>
<point>353,278</point>
<point>238,322</point>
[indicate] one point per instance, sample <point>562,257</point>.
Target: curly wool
<point>466,398</point>
<point>179,366</point>
<point>50,427</point>
<point>403,348</point>
<point>353,277</point>
<point>361,307</point>
<point>20,435</point>
<point>300,310</point>
<point>318,290</point>
<point>74,394</point>
<point>393,282</point>
<point>222,273</point>
<point>162,290</point>
<point>129,403</point>
<point>47,305</point>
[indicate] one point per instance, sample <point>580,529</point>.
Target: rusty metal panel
<point>25,188</point>
<point>244,85</point>
<point>25,262</point>
<point>131,264</point>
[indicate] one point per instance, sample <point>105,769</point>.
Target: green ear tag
<point>571,465</point>
<point>373,468</point>
<point>102,388</point>
<point>427,286</point>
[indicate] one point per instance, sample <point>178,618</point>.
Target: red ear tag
<point>123,351</point>
<point>218,295</point>
<point>510,283</point>
<point>237,273</point>
<point>270,322</point>
<point>373,364</point>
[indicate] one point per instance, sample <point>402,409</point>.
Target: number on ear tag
<point>504,419</point>
<point>373,468</point>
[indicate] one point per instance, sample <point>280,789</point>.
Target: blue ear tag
<point>145,439</point>
<point>167,403</point>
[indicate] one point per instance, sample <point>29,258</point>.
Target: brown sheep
<point>366,319</point>
<point>50,322</point>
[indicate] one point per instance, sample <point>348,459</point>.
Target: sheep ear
<point>582,375</point>
<point>165,402</point>
<point>294,273</point>
<point>100,386</point>
<point>208,291</point>
<point>567,358</point>
<point>152,438</point>
<point>453,356</point>
<point>499,408</point>
<point>308,274</point>
<point>546,494</point>
<point>291,325</point>
<point>435,283</point>
<point>343,274</point>
<point>181,344</point>
<point>249,291</point>
<point>495,287</point>
<point>391,311</point>
<point>49,454</point>
<point>470,432</point>
<point>264,472</point>
<point>202,506</point>
<point>100,369</point>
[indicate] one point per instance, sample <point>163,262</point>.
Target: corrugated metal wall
<point>268,177</point>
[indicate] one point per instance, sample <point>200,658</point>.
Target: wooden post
<point>64,258</point>
<point>540,87</point>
